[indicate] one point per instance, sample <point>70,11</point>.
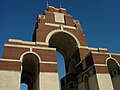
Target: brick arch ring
<point>59,30</point>
<point>111,59</point>
<point>29,52</point>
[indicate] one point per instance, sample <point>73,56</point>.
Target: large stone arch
<point>28,52</point>
<point>66,43</point>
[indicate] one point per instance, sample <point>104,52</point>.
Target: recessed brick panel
<point>10,65</point>
<point>99,58</point>
<point>13,52</point>
<point>49,17</point>
<point>101,69</point>
<point>44,67</point>
<point>69,20</point>
<point>46,55</point>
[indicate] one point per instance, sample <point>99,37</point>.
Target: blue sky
<point>100,20</point>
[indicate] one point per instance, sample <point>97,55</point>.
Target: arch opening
<point>23,86</point>
<point>61,65</point>
<point>67,46</point>
<point>86,82</point>
<point>30,71</point>
<point>114,71</point>
<point>113,67</point>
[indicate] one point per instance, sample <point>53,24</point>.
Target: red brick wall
<point>13,52</point>
<point>46,55</point>
<point>10,65</point>
<point>45,67</point>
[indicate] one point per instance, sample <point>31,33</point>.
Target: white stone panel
<point>10,80</point>
<point>59,17</point>
<point>104,82</point>
<point>49,81</point>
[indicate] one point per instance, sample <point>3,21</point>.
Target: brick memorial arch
<point>34,63</point>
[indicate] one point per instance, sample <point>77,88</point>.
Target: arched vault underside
<point>30,71</point>
<point>64,43</point>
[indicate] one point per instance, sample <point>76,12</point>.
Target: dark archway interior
<point>30,71</point>
<point>114,71</point>
<point>67,46</point>
<point>86,82</point>
<point>64,44</point>
<point>113,67</point>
